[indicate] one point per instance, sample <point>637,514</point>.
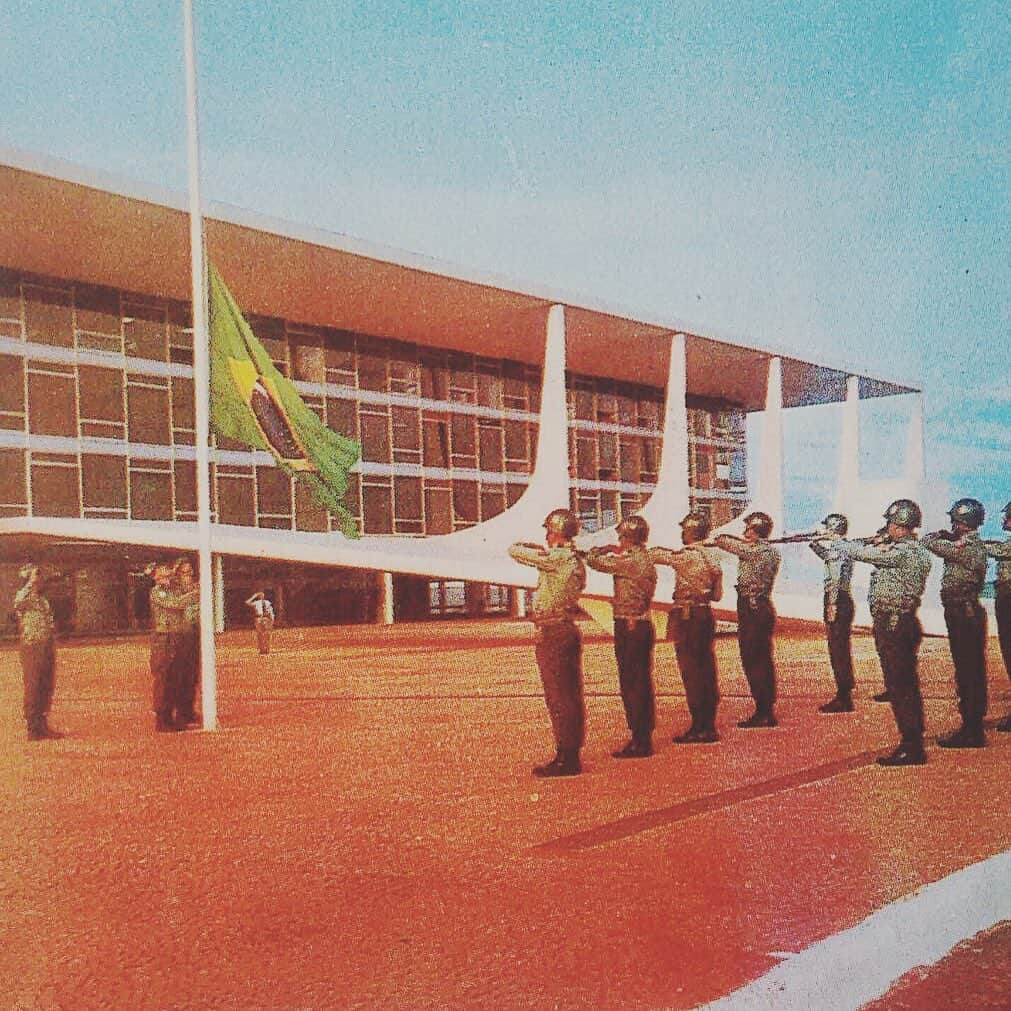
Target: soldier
<point>837,611</point>
<point>901,565</point>
<point>758,564</point>
<point>263,619</point>
<point>691,627</point>
<point>634,585</point>
<point>965,565</point>
<point>168,607</point>
<point>560,582</point>
<point>188,645</point>
<point>1001,550</point>
<point>38,653</point>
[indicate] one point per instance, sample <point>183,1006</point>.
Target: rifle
<point>795,538</point>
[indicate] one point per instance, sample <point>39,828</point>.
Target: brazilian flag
<point>253,403</point>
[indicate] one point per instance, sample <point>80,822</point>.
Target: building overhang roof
<point>71,223</point>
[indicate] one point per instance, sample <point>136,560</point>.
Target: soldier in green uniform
<point>837,611</point>
<point>691,627</point>
<point>634,585</point>
<point>1001,550</point>
<point>559,647</point>
<point>168,609</point>
<point>901,565</point>
<point>188,645</point>
<point>758,564</point>
<point>38,653</point>
<point>965,563</point>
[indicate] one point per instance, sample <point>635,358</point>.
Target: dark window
<point>150,495</point>
<point>377,509</point>
<point>375,438</point>
<point>372,368</point>
<point>493,501</point>
<point>438,511</point>
<point>104,481</point>
<point>183,411</point>
<point>101,393</point>
<point>186,485</point>
<point>55,491</point>
<point>12,383</point>
<point>148,415</point>
<point>145,332</point>
<point>273,489</point>
<point>491,448</point>
<point>436,442</point>
<point>49,318</point>
<point>235,501</point>
<point>97,309</point>
<point>465,502</point>
<point>51,406</point>
<point>342,416</point>
<point>464,438</point>
<point>12,477</point>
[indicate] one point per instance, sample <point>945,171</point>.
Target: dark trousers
<point>559,652</point>
<point>633,649</point>
<point>264,626</point>
<point>38,665</point>
<point>187,674</point>
<point>755,624</point>
<point>966,623</point>
<point>164,674</point>
<point>897,639</point>
<point>1002,607</point>
<point>840,652</point>
<point>693,645</point>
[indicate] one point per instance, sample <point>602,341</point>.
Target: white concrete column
<point>385,613</point>
<point>517,602</point>
<point>218,580</point>
<point>848,474</point>
<point>770,481</point>
<point>915,471</point>
<point>670,499</point>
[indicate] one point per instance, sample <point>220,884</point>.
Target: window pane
<point>101,392</point>
<point>182,403</point>
<point>235,501</point>
<point>97,309</point>
<point>491,448</point>
<point>436,443</point>
<point>51,406</point>
<point>464,438</point>
<point>342,416</point>
<point>377,509</point>
<point>12,477</point>
<point>375,438</point>
<point>104,480</point>
<point>307,360</point>
<point>12,383</point>
<point>55,491</point>
<point>150,496</point>
<point>147,335</point>
<point>438,511</point>
<point>148,415</point>
<point>465,502</point>
<point>273,490</point>
<point>408,497</point>
<point>186,485</point>
<point>49,317</point>
<point>406,428</point>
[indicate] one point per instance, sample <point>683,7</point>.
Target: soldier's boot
<point>760,718</point>
<point>687,736</point>
<point>1005,725</point>
<point>840,704</point>
<point>907,753</point>
<point>964,737</point>
<point>883,697</point>
<point>635,748</point>
<point>164,724</point>
<point>565,763</point>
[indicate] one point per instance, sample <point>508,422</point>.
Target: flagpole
<point>201,383</point>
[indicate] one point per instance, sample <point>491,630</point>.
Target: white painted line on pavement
<point>848,970</point>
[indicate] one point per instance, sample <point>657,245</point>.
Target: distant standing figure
<point>188,650</point>
<point>962,582</point>
<point>263,611</point>
<point>559,649</point>
<point>634,585</point>
<point>38,654</point>
<point>1001,550</point>
<point>837,611</point>
<point>757,567</point>
<point>691,626</point>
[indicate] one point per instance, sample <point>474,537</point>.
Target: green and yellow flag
<point>253,403</point>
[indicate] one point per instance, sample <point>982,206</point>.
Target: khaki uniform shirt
<point>1001,550</point>
<point>634,578</point>
<point>35,616</point>
<point>699,576</point>
<point>900,572</point>
<point>838,569</point>
<point>965,565</point>
<point>560,582</point>
<point>757,566</point>
<point>168,608</point>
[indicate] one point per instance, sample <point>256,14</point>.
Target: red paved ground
<point>364,831</point>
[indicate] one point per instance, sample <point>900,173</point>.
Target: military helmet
<point>635,528</point>
<point>969,511</point>
<point>698,523</point>
<point>760,522</point>
<point>904,512</point>
<point>1007,511</point>
<point>562,521</point>
<point>836,523</point>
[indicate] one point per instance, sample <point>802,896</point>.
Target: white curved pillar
<point>848,475</point>
<point>770,478</point>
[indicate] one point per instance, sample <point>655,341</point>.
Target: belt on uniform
<point>552,622</point>
<point>958,601</point>
<point>686,606</point>
<point>630,620</point>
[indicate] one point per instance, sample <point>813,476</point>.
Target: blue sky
<point>829,178</point>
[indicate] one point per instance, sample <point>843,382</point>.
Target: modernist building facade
<point>439,377</point>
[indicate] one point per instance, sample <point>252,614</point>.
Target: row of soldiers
<point>901,563</point>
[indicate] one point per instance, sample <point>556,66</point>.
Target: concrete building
<point>441,376</point>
